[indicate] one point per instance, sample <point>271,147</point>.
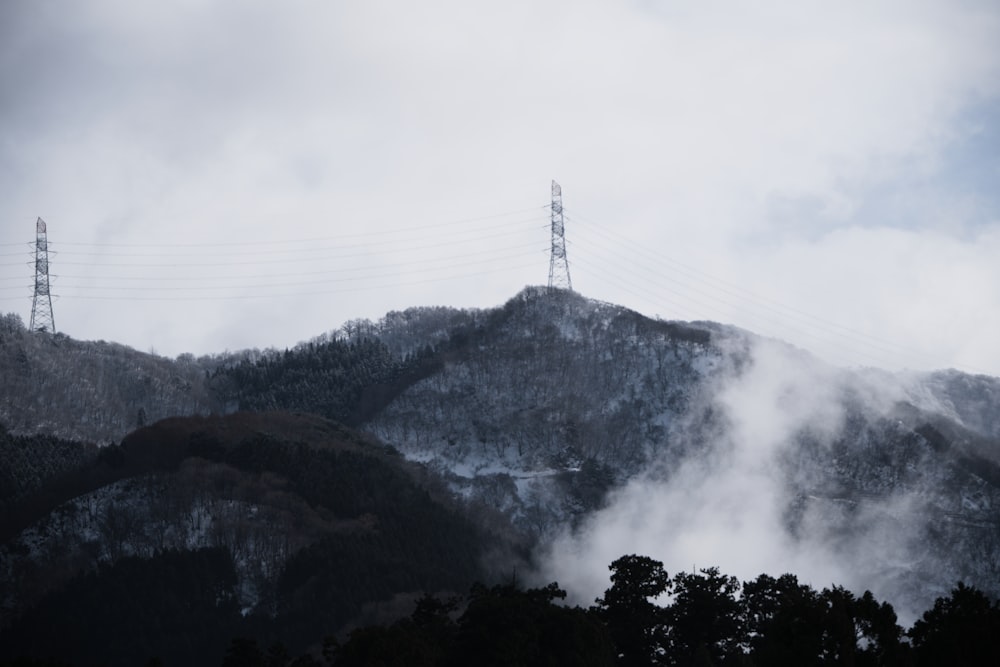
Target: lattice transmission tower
<point>41,305</point>
<point>558,265</point>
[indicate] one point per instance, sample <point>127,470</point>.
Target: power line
<point>317,293</point>
<point>742,293</point>
<point>387,243</point>
<point>508,229</point>
<point>608,274</point>
<point>520,247</point>
<point>737,305</point>
<point>697,286</point>
<point>383,232</point>
<point>298,260</point>
<point>360,276</point>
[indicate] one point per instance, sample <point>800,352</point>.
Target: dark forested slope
<point>315,521</point>
<point>30,461</point>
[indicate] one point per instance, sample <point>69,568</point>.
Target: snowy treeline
<point>91,391</point>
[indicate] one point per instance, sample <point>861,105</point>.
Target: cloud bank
<point>734,501</point>
<point>839,161</point>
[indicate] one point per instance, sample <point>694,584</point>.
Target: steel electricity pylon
<point>558,265</point>
<point>41,304</point>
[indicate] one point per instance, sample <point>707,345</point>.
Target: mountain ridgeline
<point>352,473</point>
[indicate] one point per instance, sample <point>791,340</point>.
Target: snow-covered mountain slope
<point>703,443</point>
<point>90,391</point>
<point>597,431</point>
<point>544,404</point>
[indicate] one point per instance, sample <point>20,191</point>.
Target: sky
<point>232,174</point>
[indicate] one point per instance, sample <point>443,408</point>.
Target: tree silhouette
<point>704,618</point>
<point>783,621</point>
<point>636,623</point>
<point>961,629</point>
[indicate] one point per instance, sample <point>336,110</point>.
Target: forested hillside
<point>575,416</point>
<point>311,522</point>
<point>181,608</point>
<point>545,407</point>
<point>342,379</point>
<point>536,437</point>
<point>29,462</point>
<point>91,391</point>
<point>647,617</point>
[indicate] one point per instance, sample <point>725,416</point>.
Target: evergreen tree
<point>782,621</point>
<point>636,623</point>
<point>704,619</point>
<point>961,629</point>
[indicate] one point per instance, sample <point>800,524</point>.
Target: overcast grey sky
<point>231,174</point>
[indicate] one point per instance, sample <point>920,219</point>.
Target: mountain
<point>296,523</point>
<point>92,391</point>
<point>577,418</point>
<point>573,429</point>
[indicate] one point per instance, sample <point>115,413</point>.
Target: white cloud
<point>729,501</point>
<point>756,143</point>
